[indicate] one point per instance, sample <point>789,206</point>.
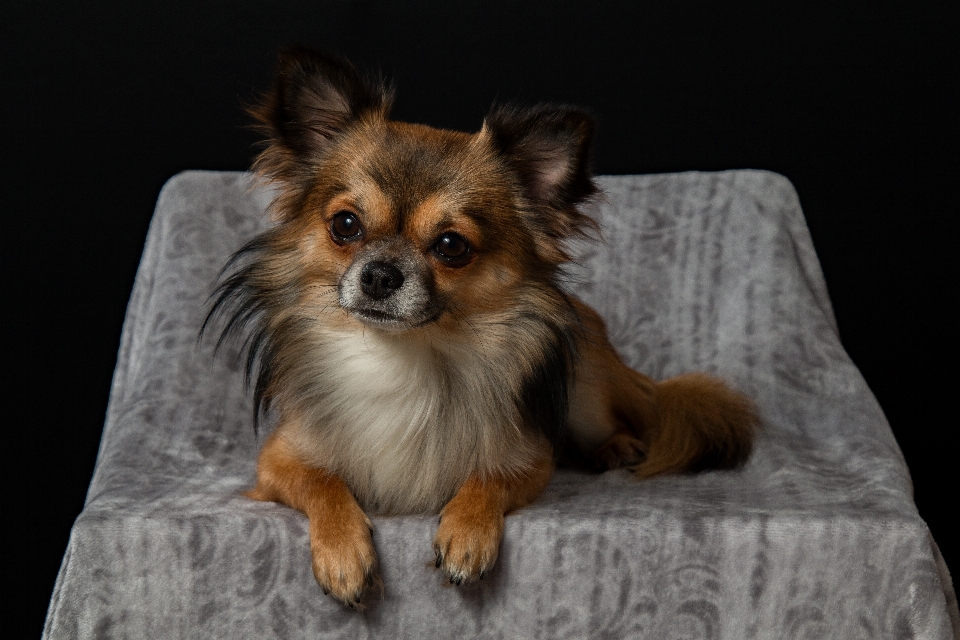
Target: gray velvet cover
<point>817,537</point>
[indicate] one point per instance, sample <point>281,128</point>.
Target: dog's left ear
<point>548,148</point>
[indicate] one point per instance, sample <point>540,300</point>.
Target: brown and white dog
<point>405,318</point>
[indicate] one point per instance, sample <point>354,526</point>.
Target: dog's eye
<point>345,227</point>
<point>453,249</point>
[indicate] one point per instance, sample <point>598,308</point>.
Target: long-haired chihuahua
<point>405,317</point>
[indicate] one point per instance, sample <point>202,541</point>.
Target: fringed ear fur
<point>314,98</point>
<point>548,147</point>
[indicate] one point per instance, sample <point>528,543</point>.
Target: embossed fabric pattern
<point>817,537</point>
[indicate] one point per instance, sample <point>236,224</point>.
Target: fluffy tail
<point>702,424</point>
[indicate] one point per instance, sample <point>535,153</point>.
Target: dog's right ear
<point>313,99</point>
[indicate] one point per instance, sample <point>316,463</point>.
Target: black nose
<point>379,280</point>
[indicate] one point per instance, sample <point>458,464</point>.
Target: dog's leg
<point>344,562</point>
<point>471,525</point>
<point>613,411</point>
<point>622,418</point>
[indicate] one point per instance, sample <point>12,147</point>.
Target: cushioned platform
<point>817,537</point>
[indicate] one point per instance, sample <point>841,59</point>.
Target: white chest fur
<point>404,419</point>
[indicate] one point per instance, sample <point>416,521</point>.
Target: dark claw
<point>439,561</point>
<point>326,591</point>
<point>452,579</point>
<point>458,581</point>
<point>481,574</point>
<point>356,597</point>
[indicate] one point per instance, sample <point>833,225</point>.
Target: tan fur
<point>344,562</point>
<point>471,524</point>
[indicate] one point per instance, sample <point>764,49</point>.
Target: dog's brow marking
<point>425,219</point>
<point>374,203</point>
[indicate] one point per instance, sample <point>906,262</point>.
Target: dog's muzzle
<point>389,286</point>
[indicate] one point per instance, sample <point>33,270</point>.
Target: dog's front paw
<point>344,561</point>
<point>467,540</point>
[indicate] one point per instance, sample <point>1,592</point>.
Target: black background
<point>855,102</point>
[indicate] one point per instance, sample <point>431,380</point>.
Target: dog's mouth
<point>384,320</point>
<point>374,315</point>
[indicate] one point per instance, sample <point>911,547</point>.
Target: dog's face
<point>410,225</point>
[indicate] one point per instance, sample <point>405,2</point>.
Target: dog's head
<point>413,225</point>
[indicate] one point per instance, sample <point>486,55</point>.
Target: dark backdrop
<point>855,102</point>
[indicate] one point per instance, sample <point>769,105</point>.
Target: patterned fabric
<point>817,537</point>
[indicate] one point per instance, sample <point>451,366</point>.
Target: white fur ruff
<point>405,418</point>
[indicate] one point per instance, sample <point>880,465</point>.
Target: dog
<point>406,320</point>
